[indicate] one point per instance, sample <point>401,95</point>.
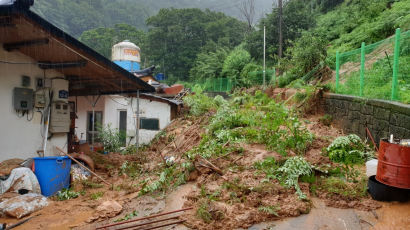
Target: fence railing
<point>380,70</point>
<point>226,84</point>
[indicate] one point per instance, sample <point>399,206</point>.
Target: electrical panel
<point>60,117</point>
<point>40,99</point>
<point>23,99</point>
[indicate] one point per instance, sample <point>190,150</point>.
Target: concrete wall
<point>354,114</point>
<point>150,109</point>
<point>111,105</point>
<point>20,138</point>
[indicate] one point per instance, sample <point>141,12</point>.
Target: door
<point>97,125</point>
<point>122,126</point>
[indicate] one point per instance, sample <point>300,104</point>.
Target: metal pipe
<point>164,225</point>
<point>137,132</point>
<point>148,223</point>
<point>46,131</point>
<point>264,54</point>
<point>144,218</point>
<point>395,65</point>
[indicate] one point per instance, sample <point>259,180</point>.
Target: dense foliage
<point>77,16</point>
<point>348,150</point>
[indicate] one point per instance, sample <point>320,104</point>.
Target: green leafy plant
<point>272,210</point>
<point>96,195</point>
<point>349,150</point>
<point>326,119</point>
<point>67,194</point>
<point>339,186</point>
<point>90,184</point>
<point>293,168</point>
<point>203,211</point>
<point>110,138</point>
<point>128,216</point>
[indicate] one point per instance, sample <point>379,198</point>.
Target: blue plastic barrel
<point>53,174</point>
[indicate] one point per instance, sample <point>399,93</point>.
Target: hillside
<point>77,16</point>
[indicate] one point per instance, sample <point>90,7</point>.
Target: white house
<point>120,112</point>
<point>40,66</point>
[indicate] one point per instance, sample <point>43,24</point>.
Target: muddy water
<point>393,216</point>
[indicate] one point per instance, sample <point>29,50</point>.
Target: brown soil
<point>239,195</point>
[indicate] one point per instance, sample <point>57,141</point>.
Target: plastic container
<point>53,174</point>
<point>382,192</point>
<point>394,165</point>
<point>371,167</point>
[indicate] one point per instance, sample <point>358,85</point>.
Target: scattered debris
<point>8,165</point>
<point>20,178</point>
<point>106,210</point>
<point>168,216</point>
<point>23,205</point>
<point>79,173</point>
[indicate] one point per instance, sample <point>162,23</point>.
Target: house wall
<point>111,105</point>
<point>150,109</point>
<point>83,105</point>
<point>20,138</point>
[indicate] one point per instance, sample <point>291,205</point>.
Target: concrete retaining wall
<point>354,114</point>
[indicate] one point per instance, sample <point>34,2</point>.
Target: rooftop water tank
<point>127,55</point>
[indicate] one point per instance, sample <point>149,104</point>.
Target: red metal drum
<point>394,165</point>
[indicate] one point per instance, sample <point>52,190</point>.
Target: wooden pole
<point>80,164</point>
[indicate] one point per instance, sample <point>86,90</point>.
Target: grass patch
<point>96,195</point>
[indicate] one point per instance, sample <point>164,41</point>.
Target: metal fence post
<point>274,76</point>
<point>362,61</point>
<point>395,65</point>
<point>337,69</point>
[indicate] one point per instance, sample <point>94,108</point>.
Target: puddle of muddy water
<point>393,216</point>
<point>322,217</point>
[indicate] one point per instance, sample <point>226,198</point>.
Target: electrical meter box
<point>40,99</point>
<point>23,98</point>
<point>60,117</point>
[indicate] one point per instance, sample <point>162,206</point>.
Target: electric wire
<point>116,101</point>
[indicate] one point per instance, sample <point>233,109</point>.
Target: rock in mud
<point>23,205</point>
<point>106,210</point>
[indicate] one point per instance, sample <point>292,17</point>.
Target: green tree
<point>297,16</point>
<point>234,64</point>
<point>176,37</point>
<point>102,39</point>
<point>208,64</point>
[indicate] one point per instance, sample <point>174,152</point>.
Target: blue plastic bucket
<point>53,174</point>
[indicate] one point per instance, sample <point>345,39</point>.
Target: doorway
<point>122,126</point>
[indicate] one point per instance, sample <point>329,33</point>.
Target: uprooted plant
<point>294,168</point>
<point>349,150</point>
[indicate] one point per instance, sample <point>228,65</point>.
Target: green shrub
<point>110,138</point>
<point>67,194</point>
<point>348,150</point>
<point>294,168</point>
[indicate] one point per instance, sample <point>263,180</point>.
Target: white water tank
<point>126,51</point>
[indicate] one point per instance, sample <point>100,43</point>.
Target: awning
<point>88,72</point>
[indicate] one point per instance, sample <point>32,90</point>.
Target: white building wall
<point>83,107</point>
<point>111,105</point>
<point>20,138</point>
<point>150,109</point>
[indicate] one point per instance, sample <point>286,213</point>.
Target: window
<point>97,123</point>
<point>149,123</point>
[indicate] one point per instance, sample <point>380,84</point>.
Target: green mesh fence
<point>226,84</point>
<point>217,85</point>
<point>256,77</point>
<point>380,70</point>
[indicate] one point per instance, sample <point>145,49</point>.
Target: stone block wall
<point>354,114</point>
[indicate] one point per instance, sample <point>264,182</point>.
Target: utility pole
<point>264,55</point>
<point>280,53</point>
